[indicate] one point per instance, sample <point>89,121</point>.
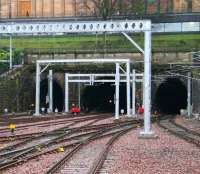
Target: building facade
<point>70,8</point>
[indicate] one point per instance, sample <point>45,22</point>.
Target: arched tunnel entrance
<point>171,96</point>
<point>100,98</point>
<point>58,95</point>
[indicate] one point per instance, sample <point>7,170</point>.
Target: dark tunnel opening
<point>171,96</point>
<point>58,95</point>
<point>100,98</point>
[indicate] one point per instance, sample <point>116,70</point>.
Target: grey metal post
<point>51,90</point>
<point>133,93</point>
<point>79,94</point>
<point>128,88</point>
<point>66,93</point>
<point>189,109</point>
<point>37,94</point>
<point>117,81</point>
<point>143,90</point>
<point>147,85</point>
<point>11,65</point>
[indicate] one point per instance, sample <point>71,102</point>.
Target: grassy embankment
<point>99,43</point>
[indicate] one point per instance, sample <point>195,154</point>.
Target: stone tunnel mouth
<point>58,95</point>
<point>171,96</point>
<point>100,98</point>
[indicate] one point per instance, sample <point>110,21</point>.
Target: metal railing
<point>196,56</point>
<point>89,8</point>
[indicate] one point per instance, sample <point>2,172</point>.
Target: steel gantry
<point>32,28</point>
<point>92,27</point>
<point>96,61</point>
<point>94,78</point>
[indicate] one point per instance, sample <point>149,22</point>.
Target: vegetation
<point>100,43</point>
<point>109,8</point>
<point>104,8</point>
<point>4,55</point>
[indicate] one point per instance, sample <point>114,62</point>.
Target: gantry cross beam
<point>91,79</point>
<point>75,27</point>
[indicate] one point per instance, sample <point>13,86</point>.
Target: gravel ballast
<point>192,124</point>
<point>165,155</point>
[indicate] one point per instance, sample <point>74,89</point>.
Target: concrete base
<point>117,120</point>
<point>134,116</point>
<point>128,119</point>
<point>147,135</point>
<point>37,114</point>
<point>131,116</point>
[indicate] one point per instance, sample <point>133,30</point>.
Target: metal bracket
<point>133,42</point>
<point>122,69</point>
<point>45,68</point>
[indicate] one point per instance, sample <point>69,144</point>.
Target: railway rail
<point>73,121</point>
<point>72,138</point>
<point>32,136</point>
<point>180,131</point>
<point>75,139</point>
<point>99,162</point>
<point>4,120</point>
<point>28,149</point>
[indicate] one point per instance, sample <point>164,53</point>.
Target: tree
<point>138,7</point>
<point>105,8</point>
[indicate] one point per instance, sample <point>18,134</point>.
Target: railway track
<point>5,120</point>
<point>68,128</point>
<point>180,131</point>
<point>99,162</point>
<point>193,125</point>
<point>95,169</point>
<point>30,119</point>
<point>77,135</point>
<point>73,121</point>
<point>72,138</point>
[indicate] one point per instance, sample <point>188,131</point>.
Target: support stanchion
<point>11,61</point>
<point>37,94</point>
<point>189,108</point>
<point>133,94</point>
<point>128,88</point>
<point>147,133</point>
<point>66,93</point>
<point>117,82</point>
<point>50,91</point>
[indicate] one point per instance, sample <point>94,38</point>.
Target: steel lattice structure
<point>93,27</point>
<point>74,27</point>
<point>90,27</point>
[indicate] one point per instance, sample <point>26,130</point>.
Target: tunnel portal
<point>100,98</point>
<point>171,96</point>
<point>58,95</point>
